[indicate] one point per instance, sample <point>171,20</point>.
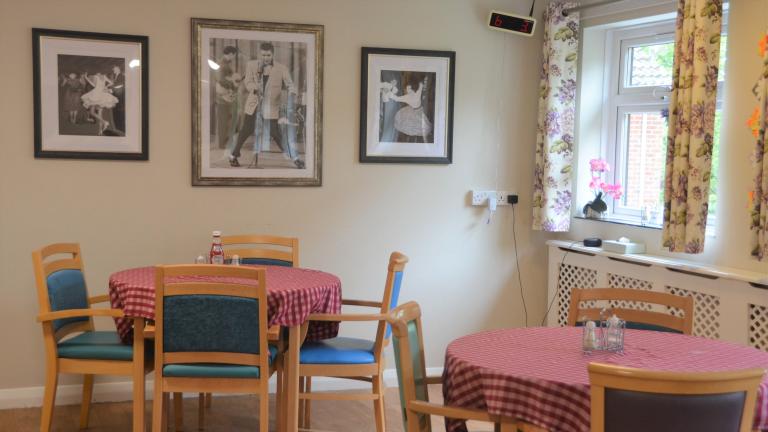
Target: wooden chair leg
<point>201,411</point>
<point>208,400</point>
<point>279,402</point>
<point>49,398</point>
<point>139,399</point>
<point>307,403</point>
<point>178,411</point>
<point>301,402</point>
<point>378,404</point>
<point>85,405</point>
<point>158,409</point>
<point>264,410</point>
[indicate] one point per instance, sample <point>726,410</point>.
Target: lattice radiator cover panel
<point>706,312</point>
<point>571,277</point>
<point>758,326</point>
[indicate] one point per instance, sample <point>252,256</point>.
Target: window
<point>638,73</point>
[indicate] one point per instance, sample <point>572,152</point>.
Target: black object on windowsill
<point>593,242</point>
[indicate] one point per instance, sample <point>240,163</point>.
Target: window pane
<point>645,160</point>
<point>651,65</point>
<point>713,179</point>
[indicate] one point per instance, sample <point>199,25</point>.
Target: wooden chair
<point>408,343</point>
<point>352,358</point>
<point>635,318</point>
<point>623,398</point>
<point>262,249</point>
<point>210,336</point>
<point>65,310</point>
<point>253,249</point>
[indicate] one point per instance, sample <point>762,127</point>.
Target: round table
<point>292,294</point>
<point>539,375</point>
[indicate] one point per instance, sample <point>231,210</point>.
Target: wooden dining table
<point>539,375</point>
<point>292,295</point>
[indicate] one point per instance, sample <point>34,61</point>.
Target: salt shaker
<point>235,260</point>
<point>589,340</point>
<point>200,260</point>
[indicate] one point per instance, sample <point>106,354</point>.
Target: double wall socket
<point>481,197</point>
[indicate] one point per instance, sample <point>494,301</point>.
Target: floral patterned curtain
<point>691,124</point>
<point>759,207</point>
<point>557,112</point>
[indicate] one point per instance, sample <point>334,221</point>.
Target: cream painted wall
<point>128,214</point>
<point>730,246</point>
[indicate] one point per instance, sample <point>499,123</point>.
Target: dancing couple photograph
<point>91,95</point>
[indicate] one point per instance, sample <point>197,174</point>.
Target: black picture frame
<point>278,141</point>
<point>83,107</point>
<point>406,106</point>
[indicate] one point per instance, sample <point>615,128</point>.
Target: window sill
<point>620,221</point>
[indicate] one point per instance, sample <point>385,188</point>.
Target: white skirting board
<point>71,394</point>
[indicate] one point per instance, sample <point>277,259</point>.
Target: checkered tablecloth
<point>539,375</point>
<point>292,294</point>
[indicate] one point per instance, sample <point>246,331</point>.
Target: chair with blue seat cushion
<point>641,309</point>
<point>65,311</point>
<point>211,335</point>
<point>353,358</point>
<point>623,397</point>
<point>408,343</point>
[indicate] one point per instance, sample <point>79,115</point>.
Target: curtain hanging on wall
<point>759,206</point>
<point>691,124</point>
<point>557,112</point>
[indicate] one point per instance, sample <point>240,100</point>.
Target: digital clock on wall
<point>512,23</point>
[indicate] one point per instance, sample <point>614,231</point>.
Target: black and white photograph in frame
<point>406,106</point>
<point>257,103</point>
<point>91,94</point>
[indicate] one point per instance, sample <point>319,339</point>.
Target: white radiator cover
<point>729,304</point>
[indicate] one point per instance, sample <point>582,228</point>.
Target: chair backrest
<point>262,249</point>
<point>632,306</point>
<point>623,398</point>
<point>392,287</point>
<point>409,360</point>
<point>61,286</point>
<point>211,314</point>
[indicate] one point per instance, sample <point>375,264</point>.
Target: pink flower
<point>599,165</point>
<point>613,190</point>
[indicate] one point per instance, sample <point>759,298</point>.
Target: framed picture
<point>91,95</point>
<point>256,103</point>
<point>406,106</point>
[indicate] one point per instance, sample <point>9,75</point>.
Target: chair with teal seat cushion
<point>71,343</point>
<point>102,345</point>
<point>352,358</point>
<point>641,309</point>
<point>408,344</point>
<point>210,334</point>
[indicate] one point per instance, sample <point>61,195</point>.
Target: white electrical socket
<point>480,197</point>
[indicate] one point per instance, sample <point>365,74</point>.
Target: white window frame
<point>621,99</point>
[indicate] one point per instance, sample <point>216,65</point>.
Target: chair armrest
<point>273,333</point>
<point>98,299</point>
<point>450,411</point>
<point>74,313</point>
<point>347,317</point>
<point>433,380</point>
<point>367,303</point>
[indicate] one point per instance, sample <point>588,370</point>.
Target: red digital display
<point>512,23</point>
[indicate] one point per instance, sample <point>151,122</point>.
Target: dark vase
<point>596,207</point>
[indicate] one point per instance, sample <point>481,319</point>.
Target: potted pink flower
<point>596,207</point>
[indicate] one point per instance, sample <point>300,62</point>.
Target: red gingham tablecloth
<point>292,294</point>
<point>539,375</point>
